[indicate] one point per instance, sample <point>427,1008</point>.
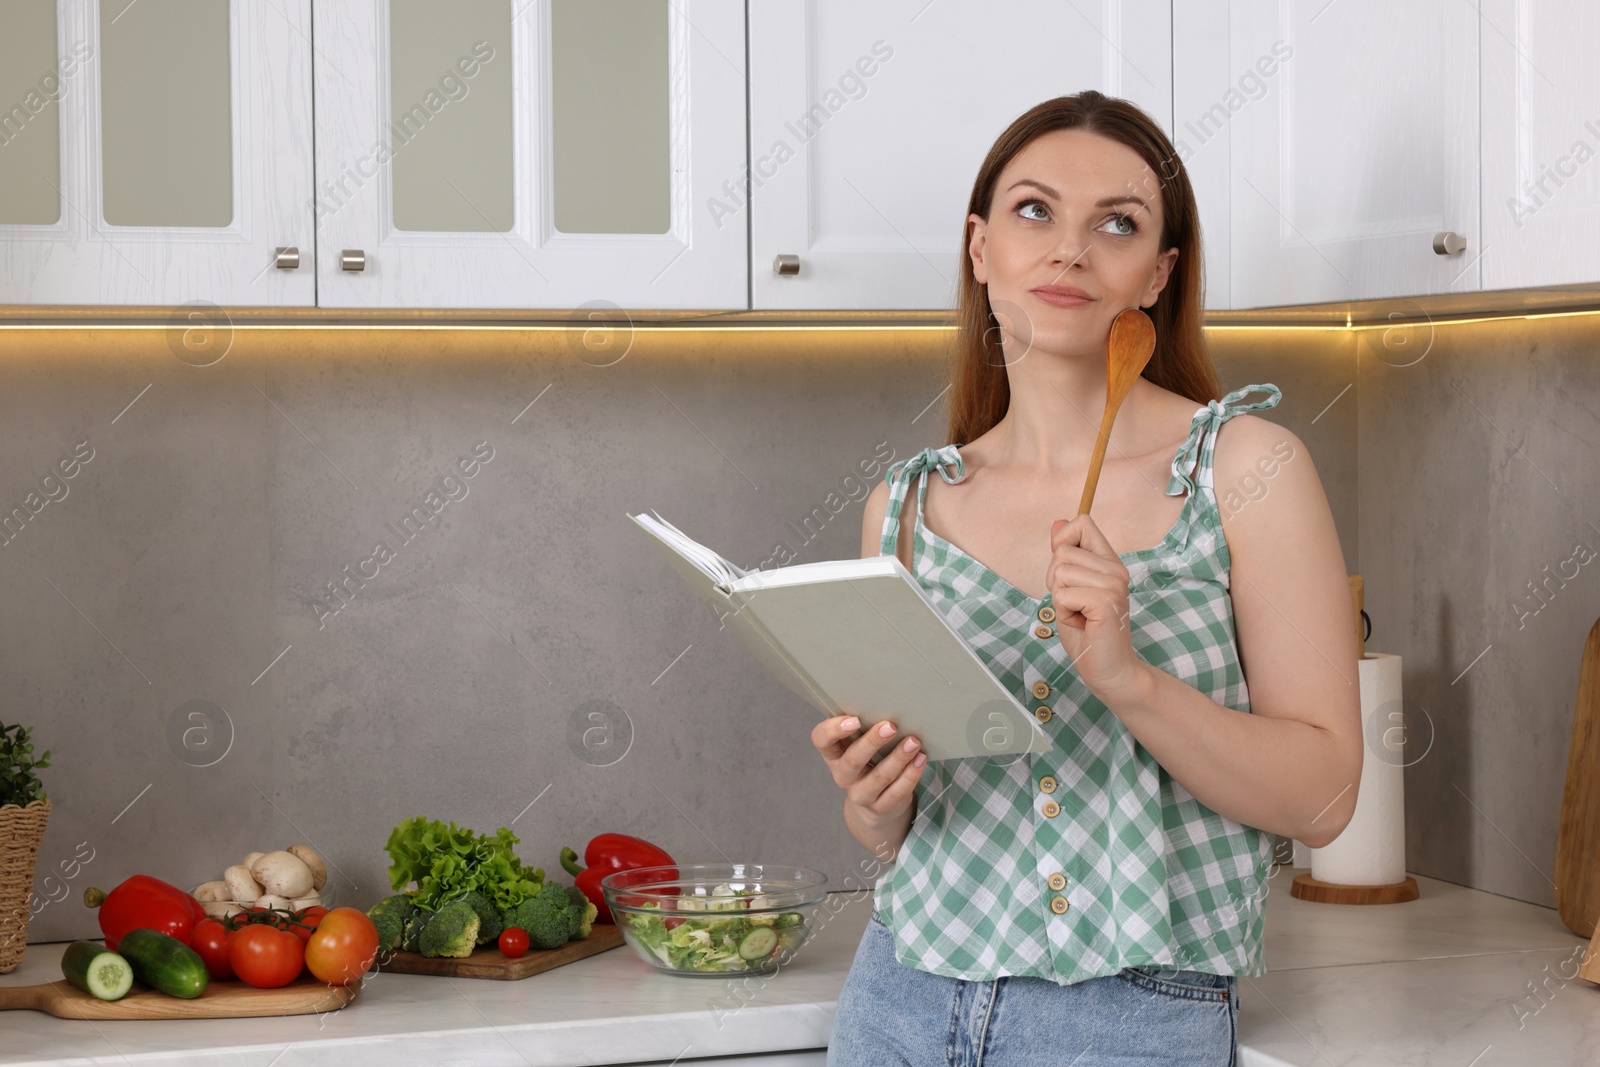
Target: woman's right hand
<point>882,794</point>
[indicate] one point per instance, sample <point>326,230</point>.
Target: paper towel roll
<point>1372,848</point>
<point>1302,855</point>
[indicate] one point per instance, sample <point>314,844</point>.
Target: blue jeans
<point>893,1014</point>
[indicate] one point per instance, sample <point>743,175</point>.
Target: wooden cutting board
<point>221,1000</point>
<point>486,961</point>
<point>1578,839</point>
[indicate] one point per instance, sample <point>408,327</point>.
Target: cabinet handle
<point>288,258</point>
<point>352,259</point>
<point>786,264</point>
<point>1448,243</point>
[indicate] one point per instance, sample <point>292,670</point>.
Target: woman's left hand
<point>1089,587</point>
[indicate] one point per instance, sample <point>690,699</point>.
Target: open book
<point>860,637</point>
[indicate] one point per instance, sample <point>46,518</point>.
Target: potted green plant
<point>24,810</point>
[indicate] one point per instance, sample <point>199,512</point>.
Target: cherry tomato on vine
<point>343,946</point>
<point>513,943</point>
<point>210,939</point>
<point>264,956</point>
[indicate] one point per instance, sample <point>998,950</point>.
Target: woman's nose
<point>1069,252</point>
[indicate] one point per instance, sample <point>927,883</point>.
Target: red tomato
<point>264,956</point>
<point>343,947</point>
<point>211,941</point>
<point>306,924</point>
<point>513,943</point>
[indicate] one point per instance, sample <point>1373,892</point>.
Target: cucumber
<point>759,942</point>
<point>96,970</point>
<point>164,963</point>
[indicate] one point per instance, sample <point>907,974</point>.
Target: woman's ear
<point>1164,264</point>
<point>980,270</point>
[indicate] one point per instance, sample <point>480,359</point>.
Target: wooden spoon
<point>1132,342</point>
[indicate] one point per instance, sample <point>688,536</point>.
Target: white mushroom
<point>312,901</point>
<point>221,909</point>
<point>283,874</point>
<point>272,901</point>
<point>309,856</point>
<point>212,891</point>
<point>242,885</point>
<point>250,860</point>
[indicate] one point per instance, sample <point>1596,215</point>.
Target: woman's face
<point>1077,210</point>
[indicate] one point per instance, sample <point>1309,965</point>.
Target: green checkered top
<point>1112,864</point>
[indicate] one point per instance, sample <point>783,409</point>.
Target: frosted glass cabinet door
<point>869,119</point>
<point>1541,143</point>
<point>529,153</point>
<point>155,153</point>
<point>1347,136</point>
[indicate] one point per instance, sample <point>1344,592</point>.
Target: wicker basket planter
<point>21,831</point>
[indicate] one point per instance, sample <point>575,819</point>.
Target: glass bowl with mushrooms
<point>290,879</point>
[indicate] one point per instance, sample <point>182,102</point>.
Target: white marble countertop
<point>1437,980</point>
<point>1445,979</point>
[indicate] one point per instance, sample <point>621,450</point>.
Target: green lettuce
<point>446,861</point>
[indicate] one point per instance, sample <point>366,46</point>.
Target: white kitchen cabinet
<point>869,120</point>
<point>1329,143</point>
<point>162,154</point>
<point>155,154</point>
<point>1541,140</point>
<point>529,154</point>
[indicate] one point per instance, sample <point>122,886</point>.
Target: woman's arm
<point>1292,766</point>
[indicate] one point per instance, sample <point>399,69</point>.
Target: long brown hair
<point>979,389</point>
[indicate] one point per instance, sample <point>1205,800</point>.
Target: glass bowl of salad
<point>715,918</point>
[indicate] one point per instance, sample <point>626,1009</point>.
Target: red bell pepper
<point>143,902</point>
<point>606,854</point>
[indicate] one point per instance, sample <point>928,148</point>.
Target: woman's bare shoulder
<point>1255,459</point>
<point>1247,443</point>
<point>1168,416</point>
<point>874,510</point>
<point>1176,409</point>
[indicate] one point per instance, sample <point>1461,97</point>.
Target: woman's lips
<point>1061,300</point>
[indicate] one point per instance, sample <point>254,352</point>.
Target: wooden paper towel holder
<point>1305,887</point>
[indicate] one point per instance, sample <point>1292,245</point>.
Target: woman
<point>1097,904</point>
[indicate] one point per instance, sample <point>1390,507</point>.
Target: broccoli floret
<point>584,915</point>
<point>549,916</point>
<point>389,915</point>
<point>453,931</point>
<point>415,924</point>
<point>489,924</point>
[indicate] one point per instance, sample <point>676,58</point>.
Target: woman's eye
<point>1133,227</point>
<point>1035,203</point>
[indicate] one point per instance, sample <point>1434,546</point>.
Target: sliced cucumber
<point>96,970</point>
<point>759,942</point>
